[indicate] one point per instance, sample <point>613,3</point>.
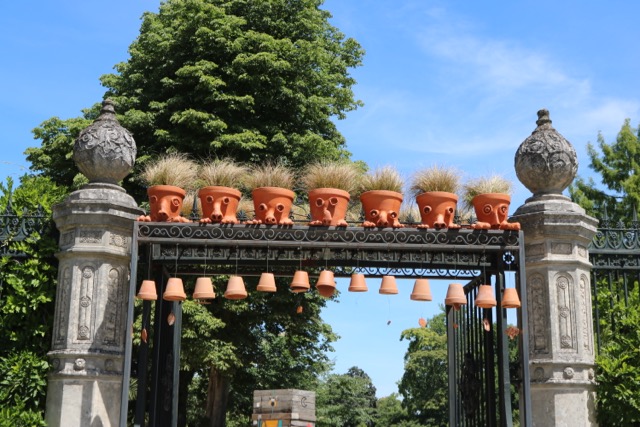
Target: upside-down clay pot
<point>219,204</point>
<point>165,204</point>
<point>328,206</point>
<point>381,208</point>
<point>485,297</point>
<point>437,209</point>
<point>272,205</point>
<point>492,211</point>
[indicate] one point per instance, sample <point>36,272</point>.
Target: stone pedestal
<point>85,383</point>
<point>284,408</point>
<point>557,233</point>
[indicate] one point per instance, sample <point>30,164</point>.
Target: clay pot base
<point>515,226</point>
<point>147,218</point>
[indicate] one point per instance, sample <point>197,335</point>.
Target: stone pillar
<point>95,223</point>
<point>557,233</point>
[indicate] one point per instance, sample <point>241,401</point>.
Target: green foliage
<point>426,363</point>
<point>27,289</point>
<point>16,416</point>
<point>346,400</point>
<point>618,165</point>
<point>23,382</point>
<point>28,284</point>
<point>618,376</point>
<point>391,413</point>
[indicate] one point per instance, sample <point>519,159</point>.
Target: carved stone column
<point>556,233</point>
<point>95,224</point>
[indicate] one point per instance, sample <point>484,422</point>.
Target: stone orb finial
<point>546,163</point>
<point>105,151</point>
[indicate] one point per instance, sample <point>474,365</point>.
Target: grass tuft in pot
<point>270,175</point>
<point>172,169</point>
<point>484,185</point>
<point>222,173</point>
<point>325,174</point>
<point>382,178</point>
<point>435,178</point>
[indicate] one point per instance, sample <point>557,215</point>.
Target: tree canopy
<point>618,166</point>
<point>251,80</point>
<point>425,362</point>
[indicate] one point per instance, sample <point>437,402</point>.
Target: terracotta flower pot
<point>492,211</point>
<point>328,206</point>
<point>437,209</point>
<point>381,208</point>
<point>219,204</point>
<point>272,205</point>
<point>165,204</point>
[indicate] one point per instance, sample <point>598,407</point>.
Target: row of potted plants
<point>329,185</point>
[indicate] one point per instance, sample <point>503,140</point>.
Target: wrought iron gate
<point>476,356</point>
<point>615,256</point>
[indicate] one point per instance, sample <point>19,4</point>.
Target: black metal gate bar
<point>460,254</point>
<point>614,253</point>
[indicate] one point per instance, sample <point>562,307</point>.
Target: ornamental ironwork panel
<point>17,227</point>
<point>614,254</point>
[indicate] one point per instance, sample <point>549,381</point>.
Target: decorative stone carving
<point>538,313</point>
<point>90,236</point>
<point>568,372</point>
<point>565,321</point>
<point>538,374</point>
<point>546,162</point>
<point>85,318</point>
<point>79,364</point>
<point>586,318</point>
<point>105,151</point>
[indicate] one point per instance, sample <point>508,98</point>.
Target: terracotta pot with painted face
<point>437,209</point>
<point>219,204</point>
<point>272,205</point>
<point>492,211</point>
<point>165,204</point>
<point>328,206</point>
<point>381,208</point>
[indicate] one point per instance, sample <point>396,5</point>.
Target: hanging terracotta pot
<point>381,208</point>
<point>267,283</point>
<point>203,289</point>
<point>300,282</point>
<point>485,297</point>
<point>510,298</point>
<point>388,286</point>
<point>358,283</point>
<point>326,284</point>
<point>174,290</point>
<point>147,291</point>
<point>165,204</point>
<point>421,291</point>
<point>437,209</point>
<point>455,296</point>
<point>235,288</point>
<point>219,204</point>
<point>492,211</point>
<point>272,205</point>
<point>328,206</point>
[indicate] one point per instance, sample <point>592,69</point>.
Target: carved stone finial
<point>546,163</point>
<point>105,151</point>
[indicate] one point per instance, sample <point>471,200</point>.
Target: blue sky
<point>450,82</point>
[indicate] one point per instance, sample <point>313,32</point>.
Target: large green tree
<point>424,385</point>
<point>346,400</point>
<point>253,80</point>
<point>618,167</point>
<point>246,79</point>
